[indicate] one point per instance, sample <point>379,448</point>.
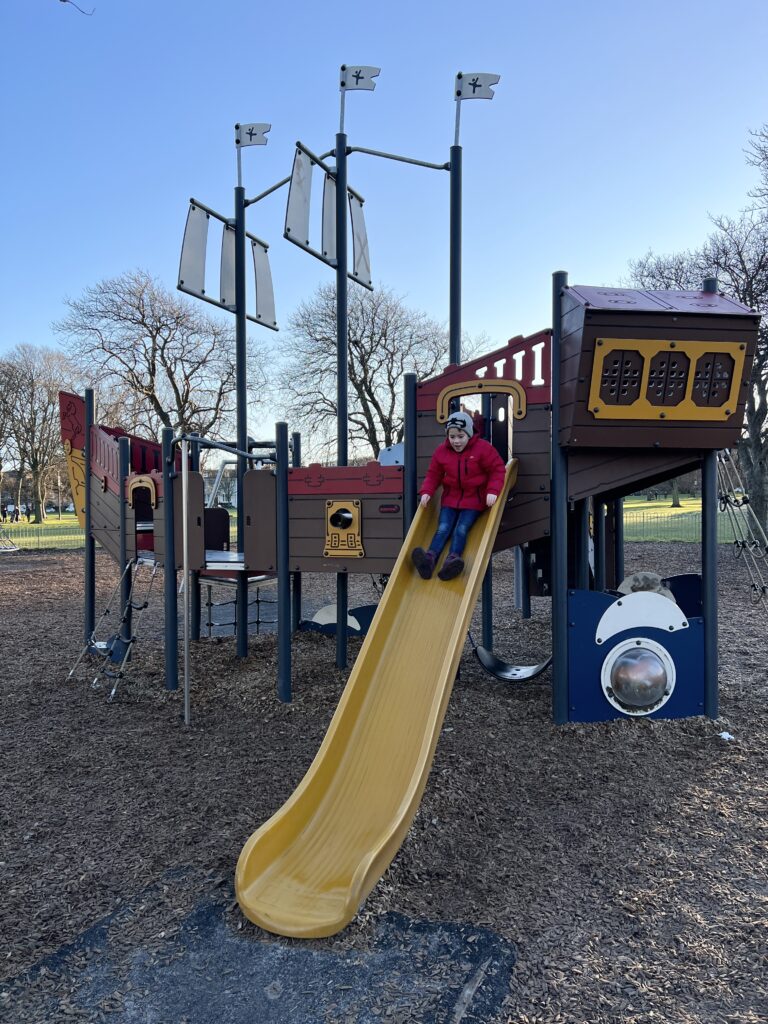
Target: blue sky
<point>616,128</point>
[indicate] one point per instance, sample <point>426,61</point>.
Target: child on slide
<point>471,473</point>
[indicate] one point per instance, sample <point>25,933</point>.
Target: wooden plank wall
<point>526,517</point>
<point>159,531</point>
<point>382,535</point>
<point>260,528</point>
<point>614,473</point>
<point>379,489</point>
<point>105,518</point>
<point>196,524</point>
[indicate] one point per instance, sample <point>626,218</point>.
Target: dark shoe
<point>424,562</point>
<point>453,566</point>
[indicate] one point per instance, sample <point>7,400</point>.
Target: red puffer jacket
<point>467,477</point>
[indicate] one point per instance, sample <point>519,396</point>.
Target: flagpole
<point>454,245</point>
<point>241,595</point>
<point>241,386</point>
<point>342,369</point>
<point>454,288</point>
<point>480,85</point>
<point>342,356</point>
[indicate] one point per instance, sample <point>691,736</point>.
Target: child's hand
<point>424,500</point>
<point>491,500</point>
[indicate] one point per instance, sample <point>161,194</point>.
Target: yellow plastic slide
<point>307,870</point>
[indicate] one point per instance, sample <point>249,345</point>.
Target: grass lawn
<point>662,506</point>
<point>53,534</point>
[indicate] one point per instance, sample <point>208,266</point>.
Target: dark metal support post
<point>598,511</point>
<point>123,467</point>
<point>618,538</point>
<point>582,564</point>
<point>709,580</point>
<point>194,577</point>
<point>486,609</point>
<point>454,307</point>
<point>90,544</point>
<point>611,582</point>
<point>342,583</point>
<point>523,581</point>
<point>169,567</point>
<point>296,588</point>
<point>487,588</point>
<point>283,566</point>
<point>241,598</point>
<point>409,445</point>
<point>559,521</point>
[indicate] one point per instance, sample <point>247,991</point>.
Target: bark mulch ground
<point>589,873</point>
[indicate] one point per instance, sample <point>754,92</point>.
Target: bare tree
<point>30,380</point>
<point>385,340</point>
<point>170,364</point>
<point>737,253</point>
<point>757,156</point>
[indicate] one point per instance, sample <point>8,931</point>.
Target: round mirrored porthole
<point>638,676</point>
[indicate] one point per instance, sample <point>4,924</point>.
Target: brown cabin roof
<point>674,301</point>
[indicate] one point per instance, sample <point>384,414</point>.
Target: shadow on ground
<point>209,970</point>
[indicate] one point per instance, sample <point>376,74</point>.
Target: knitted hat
<point>460,421</point>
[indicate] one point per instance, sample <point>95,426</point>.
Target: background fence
<point>685,527</point>
<point>55,537</point>
<point>638,526</point>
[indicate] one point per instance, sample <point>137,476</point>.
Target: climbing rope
<point>379,583</point>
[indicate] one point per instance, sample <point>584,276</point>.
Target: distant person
<point>3,512</point>
<point>471,473</point>
<point>16,514</point>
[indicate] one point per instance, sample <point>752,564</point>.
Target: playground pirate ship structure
<point>647,385</point>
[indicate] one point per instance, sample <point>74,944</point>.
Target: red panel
<point>72,418</point>
<point>527,360</point>
<point>346,481</point>
<point>105,458</point>
<point>145,455</point>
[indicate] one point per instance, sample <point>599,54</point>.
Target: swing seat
<point>506,672</point>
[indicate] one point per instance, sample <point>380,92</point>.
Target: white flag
<point>358,76</point>
<point>251,134</point>
<point>475,86</point>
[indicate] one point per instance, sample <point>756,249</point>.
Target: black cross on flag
<point>474,85</point>
<point>358,76</point>
<point>251,134</point>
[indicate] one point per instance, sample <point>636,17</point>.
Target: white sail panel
<point>265,296</point>
<point>192,263</point>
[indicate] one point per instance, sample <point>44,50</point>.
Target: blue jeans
<point>456,524</point>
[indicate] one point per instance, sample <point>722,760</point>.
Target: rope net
<point>750,540</point>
